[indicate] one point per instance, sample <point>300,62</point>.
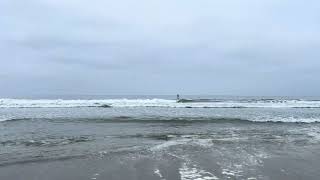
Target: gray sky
<point>229,47</point>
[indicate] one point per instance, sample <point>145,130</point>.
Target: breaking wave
<point>251,103</point>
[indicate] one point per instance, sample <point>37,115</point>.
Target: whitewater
<point>252,103</point>
<point>158,109</point>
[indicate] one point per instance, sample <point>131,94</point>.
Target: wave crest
<point>59,103</point>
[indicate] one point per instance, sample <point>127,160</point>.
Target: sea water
<point>154,137</point>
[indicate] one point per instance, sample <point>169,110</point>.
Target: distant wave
<point>251,103</point>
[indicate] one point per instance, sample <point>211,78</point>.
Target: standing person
<point>178,97</point>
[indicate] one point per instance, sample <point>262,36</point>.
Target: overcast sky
<point>218,47</point>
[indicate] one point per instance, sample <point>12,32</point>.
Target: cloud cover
<point>227,47</point>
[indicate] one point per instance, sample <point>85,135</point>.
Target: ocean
<point>156,138</point>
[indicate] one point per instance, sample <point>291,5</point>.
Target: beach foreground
<point>165,165</point>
